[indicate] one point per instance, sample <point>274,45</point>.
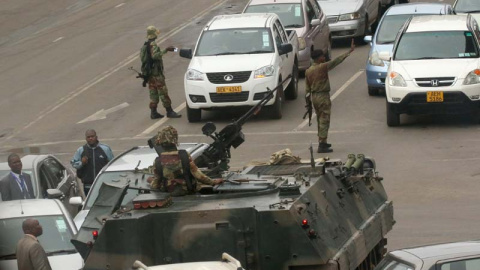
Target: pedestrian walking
<point>30,254</point>
<point>153,69</point>
<point>16,185</point>
<point>90,159</point>
<point>317,88</point>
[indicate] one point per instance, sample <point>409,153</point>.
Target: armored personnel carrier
<point>321,215</point>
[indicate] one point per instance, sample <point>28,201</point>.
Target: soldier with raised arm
<point>317,89</point>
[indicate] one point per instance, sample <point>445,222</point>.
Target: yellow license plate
<point>435,96</point>
<point>229,89</point>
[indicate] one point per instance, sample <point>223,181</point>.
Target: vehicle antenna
<point>21,206</point>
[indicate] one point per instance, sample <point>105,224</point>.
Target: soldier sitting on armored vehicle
<point>175,172</point>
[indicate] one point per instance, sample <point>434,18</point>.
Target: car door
<point>287,59</point>
<point>59,177</point>
<point>324,37</point>
<point>313,31</point>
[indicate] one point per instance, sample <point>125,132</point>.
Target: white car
<point>58,229</point>
<point>236,58</point>
<point>435,67</point>
<point>227,263</point>
<point>449,256</point>
<point>468,6</point>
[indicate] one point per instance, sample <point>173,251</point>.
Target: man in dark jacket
<point>90,159</point>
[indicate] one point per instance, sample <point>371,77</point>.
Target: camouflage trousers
<point>158,91</point>
<point>322,105</point>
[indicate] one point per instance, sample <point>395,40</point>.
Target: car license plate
<point>434,96</point>
<point>229,89</point>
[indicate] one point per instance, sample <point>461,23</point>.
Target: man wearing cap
<point>317,88</point>
<point>152,67</point>
<point>175,171</point>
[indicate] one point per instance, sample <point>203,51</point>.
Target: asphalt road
<point>63,61</point>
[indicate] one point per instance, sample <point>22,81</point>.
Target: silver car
<point>58,229</point>
<point>305,17</point>
<point>450,256</point>
<point>351,18</point>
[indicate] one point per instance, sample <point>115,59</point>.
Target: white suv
<point>435,67</point>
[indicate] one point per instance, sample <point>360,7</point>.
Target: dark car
<point>49,174</point>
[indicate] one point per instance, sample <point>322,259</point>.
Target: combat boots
<point>324,148</point>
<point>154,114</point>
<point>172,114</point>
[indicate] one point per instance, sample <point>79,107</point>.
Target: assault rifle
<point>309,108</point>
<point>217,156</point>
<point>140,75</point>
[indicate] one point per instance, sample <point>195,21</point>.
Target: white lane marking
<point>102,114</point>
<point>119,5</point>
<point>339,91</point>
<point>58,39</point>
<point>107,73</point>
<point>160,122</point>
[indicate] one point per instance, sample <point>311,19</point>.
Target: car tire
<point>292,90</point>
<point>373,91</point>
<point>393,118</point>
<point>275,110</point>
<point>194,115</point>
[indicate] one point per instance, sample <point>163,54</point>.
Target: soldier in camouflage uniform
<point>172,167</point>
<point>152,67</point>
<point>318,92</point>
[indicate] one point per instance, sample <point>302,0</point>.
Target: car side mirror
<point>54,193</point>
<point>385,55</point>
<point>368,39</point>
<point>75,201</point>
<point>315,22</point>
<point>285,48</point>
<point>186,53</point>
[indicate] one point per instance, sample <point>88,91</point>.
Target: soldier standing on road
<point>175,171</point>
<point>318,92</point>
<point>30,254</point>
<point>90,159</point>
<point>152,67</point>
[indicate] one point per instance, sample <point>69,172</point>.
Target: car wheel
<point>373,91</point>
<point>393,118</point>
<point>275,110</point>
<point>292,89</point>
<point>194,115</point>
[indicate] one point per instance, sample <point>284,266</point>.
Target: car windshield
<point>387,31</point>
<point>55,238</point>
<point>391,264</point>
<point>137,180</point>
<point>436,45</point>
<point>291,15</point>
<point>235,41</point>
<point>465,6</point>
<point>34,183</point>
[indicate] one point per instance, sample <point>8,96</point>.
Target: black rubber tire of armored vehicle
<point>373,91</point>
<point>292,90</point>
<point>275,110</point>
<point>393,118</point>
<point>194,115</point>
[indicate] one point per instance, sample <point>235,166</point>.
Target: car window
<point>436,45</point>
<point>388,29</point>
<point>469,264</point>
<point>56,170</point>
<point>291,15</point>
<point>55,238</point>
<point>464,6</point>
<point>276,36</point>
<point>391,264</point>
<point>281,32</point>
<point>234,41</point>
<point>311,14</point>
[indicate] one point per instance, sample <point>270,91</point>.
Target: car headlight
<point>263,72</point>
<point>374,60</point>
<point>194,75</point>
<point>302,44</point>
<point>349,16</point>
<point>473,77</point>
<point>396,79</point>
